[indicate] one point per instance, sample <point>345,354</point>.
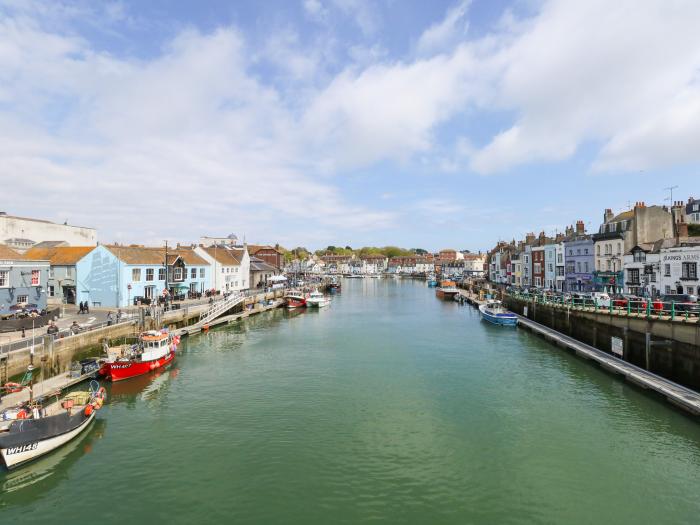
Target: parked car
<point>682,303</point>
<point>634,301</point>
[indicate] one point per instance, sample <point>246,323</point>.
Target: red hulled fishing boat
<point>154,350</point>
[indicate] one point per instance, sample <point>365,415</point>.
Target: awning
<point>275,278</point>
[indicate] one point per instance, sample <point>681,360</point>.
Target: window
<point>667,290</point>
<point>585,265</point>
<point>619,248</point>
<point>193,273</point>
<point>639,256</point>
<point>689,290</point>
<point>578,267</point>
<point>633,275</point>
<point>667,270</point>
<point>52,291</point>
<point>22,299</point>
<point>177,273</point>
<point>578,251</point>
<point>36,277</point>
<point>51,273</point>
<point>4,278</point>
<point>597,249</point>
<point>223,270</point>
<point>161,274</point>
<point>608,261</point>
<point>690,270</point>
<point>585,251</point>
<point>149,274</point>
<point>201,273</point>
<point>135,275</point>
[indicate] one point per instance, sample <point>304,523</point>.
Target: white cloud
<point>443,36</point>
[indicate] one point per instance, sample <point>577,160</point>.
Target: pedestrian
<point>80,308</point>
<point>52,329</point>
<point>75,328</point>
<point>110,318</point>
<point>24,334</point>
<point>86,310</point>
<point>120,314</point>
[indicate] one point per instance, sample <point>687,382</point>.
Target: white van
<point>601,299</point>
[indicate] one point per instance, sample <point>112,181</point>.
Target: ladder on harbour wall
<point>219,308</point>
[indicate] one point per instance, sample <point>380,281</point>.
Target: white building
<point>560,276</point>
<point>642,270</point>
<point>230,267</point>
<point>679,269</point>
<point>22,233</point>
<point>230,240</point>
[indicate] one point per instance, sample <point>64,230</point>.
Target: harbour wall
<point>56,355</point>
<point>668,348</point>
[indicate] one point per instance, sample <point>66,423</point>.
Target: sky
<point>346,122</point>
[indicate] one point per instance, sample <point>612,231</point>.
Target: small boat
<point>37,428</point>
<point>154,350</point>
<point>295,299</point>
<point>447,290</point>
<point>431,280</point>
<point>334,287</point>
<point>317,300</point>
<point>493,312</point>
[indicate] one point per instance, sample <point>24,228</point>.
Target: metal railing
<point>643,307</point>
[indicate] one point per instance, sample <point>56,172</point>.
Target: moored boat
<point>431,280</point>
<point>493,312</point>
<point>154,350</point>
<point>317,300</point>
<point>447,290</point>
<point>38,428</point>
<point>295,299</point>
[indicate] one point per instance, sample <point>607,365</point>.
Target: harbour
<point>356,409</point>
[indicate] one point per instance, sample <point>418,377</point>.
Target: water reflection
<point>146,387</point>
<point>47,472</point>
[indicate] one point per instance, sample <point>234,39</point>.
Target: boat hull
<point>120,370</point>
<point>500,319</point>
<point>318,304</point>
<point>445,294</point>
<point>30,447</point>
<point>296,303</point>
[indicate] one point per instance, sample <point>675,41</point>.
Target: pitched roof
<point>258,265</point>
<point>155,256</point>
<point>224,255</point>
<point>8,253</point>
<point>255,248</point>
<point>58,255</point>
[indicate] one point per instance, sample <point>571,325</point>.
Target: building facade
<point>61,287</point>
<point>579,261</point>
<point>230,267</point>
<point>22,281</point>
<point>679,267</point>
<point>23,232</point>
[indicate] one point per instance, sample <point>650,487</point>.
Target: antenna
<point>670,189</point>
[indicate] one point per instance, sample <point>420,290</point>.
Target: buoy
<point>88,410</point>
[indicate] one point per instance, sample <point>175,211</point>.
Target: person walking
<point>86,309</point>
<point>110,318</point>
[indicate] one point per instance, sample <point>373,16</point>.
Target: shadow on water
<point>49,471</point>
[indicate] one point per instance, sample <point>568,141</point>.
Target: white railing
<point>220,307</point>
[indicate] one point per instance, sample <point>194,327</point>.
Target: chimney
<point>580,227</point>
<point>608,215</point>
<point>529,238</point>
<point>681,228</point>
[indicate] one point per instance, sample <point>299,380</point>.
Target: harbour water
<point>388,406</point>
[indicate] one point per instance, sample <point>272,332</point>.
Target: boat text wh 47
<point>317,300</point>
<point>153,350</point>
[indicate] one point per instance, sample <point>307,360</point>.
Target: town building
<point>22,233</point>
<point>260,273</point>
<point>679,267</point>
<point>538,280</point>
<point>61,286</point>
<point>22,281</point>
<point>579,261</point>
<point>449,254</point>
<point>337,264</point>
<point>272,255</point>
<point>374,264</point>
<point>118,276</point>
<point>692,211</point>
<point>550,262</point>
<point>474,264</point>
<point>230,241</point>
<point>230,266</point>
<point>560,269</point>
<point>641,269</point>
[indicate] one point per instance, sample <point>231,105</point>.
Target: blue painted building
<point>120,276</point>
<point>579,261</point>
<point>22,282</point>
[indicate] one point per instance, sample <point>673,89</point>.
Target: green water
<point>390,406</point>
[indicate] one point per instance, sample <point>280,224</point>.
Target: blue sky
<point>315,122</point>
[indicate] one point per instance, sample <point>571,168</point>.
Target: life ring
<point>88,410</point>
<point>22,414</point>
<point>101,393</point>
<point>13,388</point>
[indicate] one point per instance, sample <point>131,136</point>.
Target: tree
<point>420,251</point>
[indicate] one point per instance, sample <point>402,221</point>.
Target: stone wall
<point>676,358</point>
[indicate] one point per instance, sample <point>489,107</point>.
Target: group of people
<point>73,329</point>
<point>83,307</point>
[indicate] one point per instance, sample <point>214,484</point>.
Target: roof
<point>59,255</point>
<point>258,265</point>
<point>155,256</point>
<point>625,215</point>
<point>6,216</point>
<point>224,256</point>
<point>255,248</point>
<point>8,253</point>
<point>50,244</point>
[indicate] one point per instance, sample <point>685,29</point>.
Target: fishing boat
<point>431,280</point>
<point>334,286</point>
<point>317,300</point>
<point>295,299</point>
<point>154,350</point>
<point>37,428</point>
<point>447,290</point>
<point>493,312</point>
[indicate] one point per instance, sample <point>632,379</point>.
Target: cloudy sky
<point>315,122</point>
